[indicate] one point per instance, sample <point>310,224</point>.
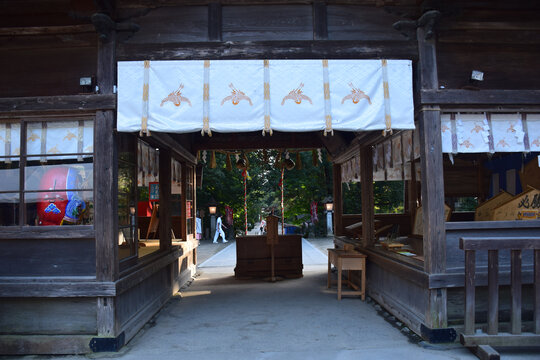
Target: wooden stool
<point>347,260</point>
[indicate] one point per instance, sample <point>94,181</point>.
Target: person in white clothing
<point>262,227</point>
<point>198,227</point>
<point>219,231</point>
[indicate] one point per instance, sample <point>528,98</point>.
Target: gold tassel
<point>213,164</point>
<point>298,161</point>
<point>314,158</point>
<point>228,162</point>
<point>198,156</point>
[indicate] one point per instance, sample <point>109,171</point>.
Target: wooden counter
<point>253,257</point>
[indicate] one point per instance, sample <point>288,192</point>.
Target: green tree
<point>388,197</point>
<point>311,183</point>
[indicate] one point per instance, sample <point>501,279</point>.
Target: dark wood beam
<point>320,22</point>
<point>269,50</point>
<point>338,200</point>
<point>254,140</point>
<point>524,38</point>
<point>455,97</point>
<point>55,287</point>
<point>183,204</point>
<point>335,144</point>
<point>490,25</point>
<point>165,239</point>
<point>47,30</point>
<point>48,232</point>
<point>347,154</point>
<point>368,213</point>
<point>429,126</point>
<point>153,3</point>
<point>364,138</point>
<point>214,22</point>
<point>67,103</point>
<point>106,187</point>
<point>174,146</point>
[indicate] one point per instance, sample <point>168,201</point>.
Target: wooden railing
<point>481,343</point>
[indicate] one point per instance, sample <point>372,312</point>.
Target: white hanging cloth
<point>253,95</point>
<point>490,133</point>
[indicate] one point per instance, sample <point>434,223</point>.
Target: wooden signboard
<point>418,228</point>
<point>272,230</point>
<point>485,211</point>
<point>153,191</point>
<point>154,222</point>
<point>530,176</point>
<point>524,206</point>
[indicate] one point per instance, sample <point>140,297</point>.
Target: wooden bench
<point>347,260</point>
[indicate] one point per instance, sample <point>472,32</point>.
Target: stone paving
<point>216,316</point>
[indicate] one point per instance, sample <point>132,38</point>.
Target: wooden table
<point>347,260</point>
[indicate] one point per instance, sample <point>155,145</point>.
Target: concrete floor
<point>218,317</point>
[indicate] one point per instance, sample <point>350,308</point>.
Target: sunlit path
<point>227,257</point>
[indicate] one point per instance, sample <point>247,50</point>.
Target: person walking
<point>198,227</point>
<point>219,231</point>
<point>262,227</point>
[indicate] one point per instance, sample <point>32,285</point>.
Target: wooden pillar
<point>429,126</point>
<point>106,186</point>
<point>184,189</point>
<point>366,177</point>
<point>165,239</point>
<point>412,192</point>
<point>338,200</point>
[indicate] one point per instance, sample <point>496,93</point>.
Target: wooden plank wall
<point>171,25</point>
<point>352,22</point>
<point>383,285</point>
<point>501,40</point>
<point>48,257</point>
<point>148,289</point>
<point>46,71</point>
<point>48,316</point>
<point>258,31</point>
<point>455,256</point>
<point>262,22</point>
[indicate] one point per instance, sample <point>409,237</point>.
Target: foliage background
<point>302,186</point>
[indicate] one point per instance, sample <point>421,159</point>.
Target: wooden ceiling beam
<point>65,103</point>
<point>47,30</point>
<point>153,3</point>
<point>336,143</point>
<point>269,50</point>
<point>454,97</point>
<point>254,140</point>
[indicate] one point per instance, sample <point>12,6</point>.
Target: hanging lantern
<point>241,164</point>
<point>298,161</point>
<point>288,164</point>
